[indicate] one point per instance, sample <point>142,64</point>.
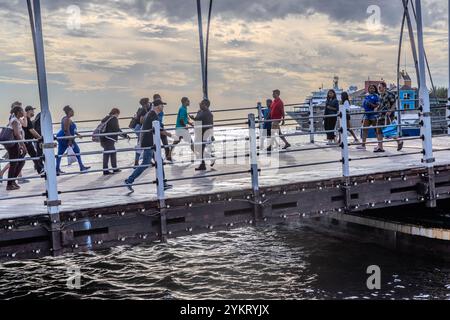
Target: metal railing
<point>253,151</point>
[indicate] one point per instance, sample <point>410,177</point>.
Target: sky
<point>102,54</point>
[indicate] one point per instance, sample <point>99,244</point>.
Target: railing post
<point>160,179</point>
<point>311,121</point>
<point>254,166</point>
<point>261,126</point>
<point>425,113</point>
<point>447,110</point>
<point>399,121</point>
<point>52,201</point>
<point>345,156</point>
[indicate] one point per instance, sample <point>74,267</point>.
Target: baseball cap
<point>159,103</point>
<point>29,108</point>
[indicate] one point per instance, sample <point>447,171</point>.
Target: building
<point>357,97</point>
<point>407,94</point>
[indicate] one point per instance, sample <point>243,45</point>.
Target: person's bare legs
<point>365,132</point>
<point>283,138</point>
<point>380,138</point>
<point>4,170</point>
<point>353,135</point>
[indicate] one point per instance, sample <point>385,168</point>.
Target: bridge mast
<point>425,111</point>
<point>53,202</point>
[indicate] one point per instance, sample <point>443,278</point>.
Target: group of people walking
<point>24,130</point>
<point>142,124</point>
<point>379,112</point>
<point>274,117</point>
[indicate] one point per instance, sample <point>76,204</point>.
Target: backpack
<point>7,134</point>
<point>134,121</point>
<point>100,130</point>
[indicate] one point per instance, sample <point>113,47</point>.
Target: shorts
<point>183,133</point>
<point>276,124</point>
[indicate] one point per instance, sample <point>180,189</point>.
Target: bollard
<point>254,166</point>
<point>311,121</point>
<point>425,113</point>
<point>345,156</point>
<point>52,202</point>
<point>160,179</point>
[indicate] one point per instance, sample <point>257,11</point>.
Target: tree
<point>441,93</point>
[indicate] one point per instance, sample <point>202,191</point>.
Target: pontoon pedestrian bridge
<point>248,186</point>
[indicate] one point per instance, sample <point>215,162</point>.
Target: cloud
<point>127,49</point>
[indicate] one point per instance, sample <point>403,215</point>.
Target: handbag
<point>390,131</point>
<point>7,134</point>
<point>71,157</point>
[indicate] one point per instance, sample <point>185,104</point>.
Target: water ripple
<point>283,262</point>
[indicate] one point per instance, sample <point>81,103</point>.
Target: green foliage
<point>441,93</point>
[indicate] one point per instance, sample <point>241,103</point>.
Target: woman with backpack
<point>110,124</point>
<point>68,129</point>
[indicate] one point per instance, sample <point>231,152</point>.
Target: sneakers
<point>378,150</point>
<point>84,169</point>
<point>12,187</point>
<point>167,187</point>
<point>107,173</point>
<point>361,148</point>
<point>129,186</point>
<point>400,146</point>
<point>117,171</point>
<point>286,146</point>
<point>201,168</point>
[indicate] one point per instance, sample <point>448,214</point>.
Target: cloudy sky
<point>121,50</point>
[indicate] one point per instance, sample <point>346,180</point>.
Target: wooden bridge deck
<point>100,219</point>
<point>213,185</point>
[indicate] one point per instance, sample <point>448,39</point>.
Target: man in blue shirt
<point>164,140</point>
<point>267,125</point>
<point>183,121</point>
<point>147,143</point>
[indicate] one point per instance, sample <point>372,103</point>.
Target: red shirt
<point>277,109</point>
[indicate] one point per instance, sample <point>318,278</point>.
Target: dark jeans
<point>330,125</point>
<point>38,165</point>
<point>146,163</point>
<point>165,142</point>
<point>109,145</point>
<point>40,152</point>
<point>15,167</point>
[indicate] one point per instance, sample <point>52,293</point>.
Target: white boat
<point>318,98</point>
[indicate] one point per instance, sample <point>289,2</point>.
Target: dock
<point>219,199</point>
